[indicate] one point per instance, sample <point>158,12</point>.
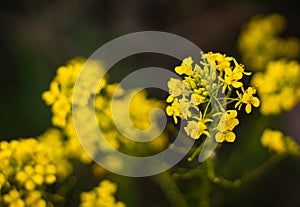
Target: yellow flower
<point>197,99</point>
<point>34,199</point>
<point>170,99</point>
<point>274,140</point>
<point>175,87</point>
<point>178,87</point>
<point>50,96</point>
<point>26,177</point>
<point>46,173</point>
<point>101,196</point>
<point>29,166</point>
<point>232,76</point>
<point>260,41</point>
<point>218,61</point>
<point>228,136</point>
<point>248,99</point>
<point>13,198</point>
<point>228,121</point>
<point>174,110</point>
<point>232,79</point>
<point>186,67</point>
<point>185,108</point>
<point>60,94</point>
<point>278,87</point>
<point>196,128</point>
<point>225,126</point>
<point>199,93</point>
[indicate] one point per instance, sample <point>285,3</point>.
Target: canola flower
<point>278,87</point>
<point>60,97</point>
<point>101,196</point>
<point>277,142</point>
<point>227,123</point>
<point>201,98</point>
<point>260,41</point>
<point>208,99</point>
<point>31,165</point>
<point>28,167</point>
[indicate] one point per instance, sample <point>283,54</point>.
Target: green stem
<point>171,190</point>
<point>244,180</point>
<point>206,108</point>
<point>218,179</point>
<point>259,171</point>
<point>221,106</point>
<point>196,152</point>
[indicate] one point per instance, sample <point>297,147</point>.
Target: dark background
<point>38,36</point>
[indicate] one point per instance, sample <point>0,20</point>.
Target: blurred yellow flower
<point>278,87</point>
<point>276,141</point>
<point>101,196</point>
<point>260,41</point>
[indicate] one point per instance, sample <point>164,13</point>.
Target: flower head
<point>174,110</point>
<point>186,67</point>
<point>277,142</point>
<point>227,123</point>
<point>196,128</point>
<point>278,87</point>
<point>260,41</point>
<point>101,196</point>
<point>248,99</point>
<point>205,92</point>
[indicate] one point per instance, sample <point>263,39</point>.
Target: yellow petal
<point>237,84</point>
<point>29,185</point>
<point>219,137</point>
<point>179,70</point>
<point>195,134</point>
<point>50,179</point>
<point>48,97</point>
<point>232,113</point>
<point>256,102</point>
<point>248,108</point>
<point>228,71</point>
<point>238,75</point>
<point>169,110</point>
<point>230,137</point>
<point>237,104</point>
<point>175,119</point>
<point>189,61</point>
<point>170,99</point>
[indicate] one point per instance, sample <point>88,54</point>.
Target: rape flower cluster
<point>278,143</point>
<point>30,165</point>
<point>27,167</point>
<point>278,87</point>
<point>60,100</point>
<point>202,97</point>
<point>260,41</point>
<point>101,196</point>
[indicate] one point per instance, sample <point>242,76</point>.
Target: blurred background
<point>36,37</point>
